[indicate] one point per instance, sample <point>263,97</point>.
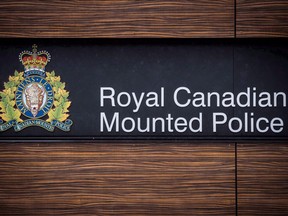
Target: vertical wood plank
<point>117,179</point>
<point>117,18</point>
<point>266,18</point>
<point>262,179</point>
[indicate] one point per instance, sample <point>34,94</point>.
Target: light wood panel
<point>265,18</point>
<point>262,179</point>
<point>117,179</point>
<point>119,18</point>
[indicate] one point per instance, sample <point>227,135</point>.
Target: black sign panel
<point>143,89</point>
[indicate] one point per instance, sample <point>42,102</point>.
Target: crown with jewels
<point>34,61</point>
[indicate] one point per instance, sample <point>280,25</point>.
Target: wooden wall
<point>174,178</point>
<point>265,18</point>
<point>117,18</point>
<point>262,176</point>
<point>117,179</point>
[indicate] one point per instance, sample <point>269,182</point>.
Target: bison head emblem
<point>34,98</point>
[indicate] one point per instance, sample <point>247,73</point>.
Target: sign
<point>136,89</point>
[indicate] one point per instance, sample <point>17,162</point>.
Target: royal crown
<point>34,60</point>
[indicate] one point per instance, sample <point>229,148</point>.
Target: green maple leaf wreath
<point>59,111</point>
<point>8,111</point>
<point>61,103</point>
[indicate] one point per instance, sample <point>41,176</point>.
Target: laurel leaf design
<point>61,103</point>
<point>8,111</point>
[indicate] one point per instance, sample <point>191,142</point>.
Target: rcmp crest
<point>34,97</point>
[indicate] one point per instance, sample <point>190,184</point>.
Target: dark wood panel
<point>266,18</point>
<point>117,179</point>
<point>262,179</point>
<point>121,18</point>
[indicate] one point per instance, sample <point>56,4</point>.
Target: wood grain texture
<point>117,179</point>
<point>263,179</point>
<point>117,19</point>
<point>266,18</point>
